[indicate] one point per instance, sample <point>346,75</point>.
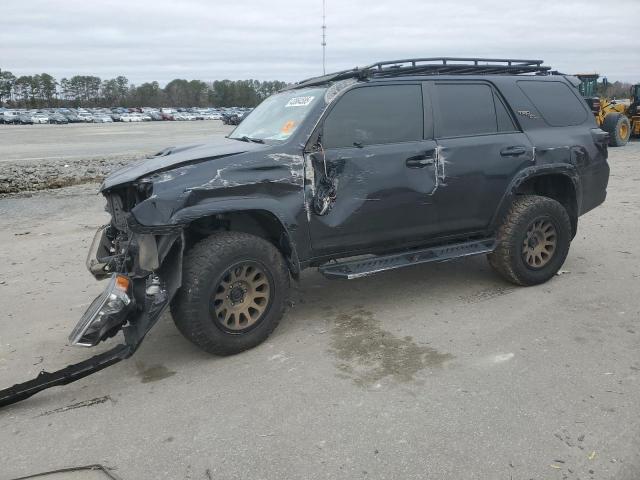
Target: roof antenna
<point>324,38</point>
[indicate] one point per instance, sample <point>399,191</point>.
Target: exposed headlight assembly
<point>107,311</point>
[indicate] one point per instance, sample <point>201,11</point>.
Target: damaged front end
<point>143,270</point>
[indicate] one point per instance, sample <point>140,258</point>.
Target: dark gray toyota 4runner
<point>357,172</point>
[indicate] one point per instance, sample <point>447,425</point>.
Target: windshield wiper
<point>245,138</point>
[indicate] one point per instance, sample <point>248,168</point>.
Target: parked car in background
<point>25,119</point>
<point>58,119</point>
<point>63,115</point>
<point>10,118</point>
<point>39,118</point>
<point>102,119</point>
<point>85,117</point>
<point>234,118</point>
<point>72,117</point>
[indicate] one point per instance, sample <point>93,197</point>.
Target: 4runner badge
<point>526,113</point>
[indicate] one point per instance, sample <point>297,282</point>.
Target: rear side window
<point>470,109</point>
<point>555,101</point>
<point>375,115</point>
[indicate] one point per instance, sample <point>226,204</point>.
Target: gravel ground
<point>436,371</point>
<point>39,157</point>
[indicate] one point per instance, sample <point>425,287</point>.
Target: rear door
<point>382,167</point>
<point>481,148</point>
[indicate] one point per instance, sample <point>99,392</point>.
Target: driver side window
<point>375,115</point>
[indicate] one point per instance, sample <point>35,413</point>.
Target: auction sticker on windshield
<point>299,101</point>
<point>288,127</point>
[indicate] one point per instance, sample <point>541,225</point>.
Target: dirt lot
<point>433,372</point>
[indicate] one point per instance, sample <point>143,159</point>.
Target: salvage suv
<point>357,172</point>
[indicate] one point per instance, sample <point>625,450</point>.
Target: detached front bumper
<point>131,302</point>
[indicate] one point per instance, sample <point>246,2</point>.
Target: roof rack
<point>434,66</point>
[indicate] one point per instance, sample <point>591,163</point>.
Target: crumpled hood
<point>174,156</point>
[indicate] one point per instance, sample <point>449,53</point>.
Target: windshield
<point>279,116</point>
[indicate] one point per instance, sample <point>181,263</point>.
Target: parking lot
<point>435,371</point>
<point>91,140</point>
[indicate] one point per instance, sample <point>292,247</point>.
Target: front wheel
<point>233,294</point>
<point>533,241</point>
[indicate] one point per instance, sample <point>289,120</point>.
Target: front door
<point>375,175</point>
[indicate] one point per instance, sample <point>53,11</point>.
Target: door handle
<point>420,161</point>
<point>513,151</point>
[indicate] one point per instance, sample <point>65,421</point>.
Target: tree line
<point>44,91</point>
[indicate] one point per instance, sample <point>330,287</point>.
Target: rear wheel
<point>533,241</point>
<point>233,294</point>
<point>618,127</point>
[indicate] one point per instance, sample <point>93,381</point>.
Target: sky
<point>148,40</point>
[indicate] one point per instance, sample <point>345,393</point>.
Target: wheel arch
<point>255,221</point>
<point>560,184</point>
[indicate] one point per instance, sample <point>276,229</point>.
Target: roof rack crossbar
<point>435,66</point>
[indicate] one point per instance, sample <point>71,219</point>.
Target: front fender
<point>286,209</point>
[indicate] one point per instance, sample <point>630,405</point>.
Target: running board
<point>368,266</point>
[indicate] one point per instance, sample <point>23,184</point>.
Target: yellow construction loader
<point>617,118</point>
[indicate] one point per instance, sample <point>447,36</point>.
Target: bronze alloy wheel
<point>539,243</point>
<point>241,297</point>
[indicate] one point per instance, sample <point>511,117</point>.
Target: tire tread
<point>198,261</point>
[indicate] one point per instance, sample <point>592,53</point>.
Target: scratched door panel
<point>379,200</point>
<point>480,149</point>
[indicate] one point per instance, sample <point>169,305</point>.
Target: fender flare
<point>564,169</point>
<point>235,205</point>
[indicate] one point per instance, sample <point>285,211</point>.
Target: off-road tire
<point>508,260</point>
<point>619,129</point>
<point>203,266</point>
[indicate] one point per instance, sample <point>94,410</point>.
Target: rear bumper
<point>594,186</point>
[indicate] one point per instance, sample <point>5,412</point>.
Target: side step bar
<point>368,266</point>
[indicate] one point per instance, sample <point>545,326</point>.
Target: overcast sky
<point>160,40</point>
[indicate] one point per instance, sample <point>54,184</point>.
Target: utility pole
<point>324,38</point>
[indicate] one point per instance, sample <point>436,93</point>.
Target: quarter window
<point>375,115</point>
<point>555,101</point>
